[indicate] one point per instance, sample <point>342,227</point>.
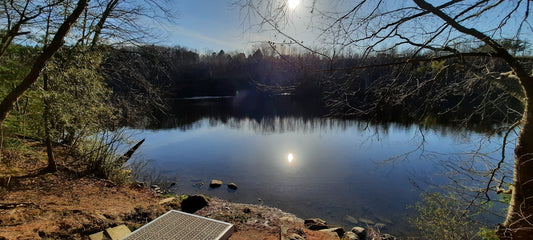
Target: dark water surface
<point>339,168</point>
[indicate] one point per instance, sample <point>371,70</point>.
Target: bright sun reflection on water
<point>290,157</point>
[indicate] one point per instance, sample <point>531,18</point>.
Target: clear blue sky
<point>208,25</point>
<point>212,25</point>
<point>204,25</point>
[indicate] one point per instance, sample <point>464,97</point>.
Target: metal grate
<point>183,226</point>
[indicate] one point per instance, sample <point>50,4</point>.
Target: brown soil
<point>68,204</point>
<point>258,222</point>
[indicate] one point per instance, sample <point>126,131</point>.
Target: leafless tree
<point>463,30</point>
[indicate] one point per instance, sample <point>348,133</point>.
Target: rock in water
<point>366,221</point>
<point>350,219</point>
<point>387,236</point>
<point>193,203</point>
<point>215,183</point>
<point>232,186</point>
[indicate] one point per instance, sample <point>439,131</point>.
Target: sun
<point>290,157</point>
<point>293,3</point>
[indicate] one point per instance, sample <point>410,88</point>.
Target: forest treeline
<point>135,84</point>
<point>145,77</point>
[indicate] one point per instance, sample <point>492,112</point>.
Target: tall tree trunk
<point>8,102</point>
<point>519,222</point>
<point>52,167</point>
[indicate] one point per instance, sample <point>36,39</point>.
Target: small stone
<point>232,186</point>
<point>338,230</point>
<point>387,236</point>
<point>156,188</point>
<point>350,219</point>
<point>360,232</point>
<point>350,236</point>
<point>138,185</point>
<point>173,184</point>
<point>215,183</point>
<point>118,232</point>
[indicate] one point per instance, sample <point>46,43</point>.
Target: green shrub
<point>101,155</point>
<point>444,218</point>
<point>487,234</point>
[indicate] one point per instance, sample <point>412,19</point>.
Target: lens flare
<point>290,157</point>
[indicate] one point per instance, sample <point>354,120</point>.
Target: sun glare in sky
<point>293,3</point>
<point>290,157</point>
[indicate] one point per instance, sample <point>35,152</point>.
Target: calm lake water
<point>339,168</point>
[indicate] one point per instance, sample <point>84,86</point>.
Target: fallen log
<point>129,153</point>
